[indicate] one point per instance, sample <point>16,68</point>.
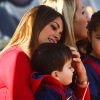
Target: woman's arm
<point>82,84</point>
<point>21,84</point>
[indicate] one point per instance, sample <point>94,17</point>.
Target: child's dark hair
<point>92,26</point>
<point>94,22</point>
<point>49,57</point>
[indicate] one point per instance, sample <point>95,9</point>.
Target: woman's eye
<point>70,67</point>
<point>83,12</point>
<point>53,27</point>
<point>98,37</point>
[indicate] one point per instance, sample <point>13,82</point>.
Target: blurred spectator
<point>19,7</point>
<point>8,22</point>
<point>11,12</point>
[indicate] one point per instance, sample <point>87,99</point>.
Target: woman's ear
<point>55,74</point>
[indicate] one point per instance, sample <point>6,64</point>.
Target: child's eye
<point>53,27</point>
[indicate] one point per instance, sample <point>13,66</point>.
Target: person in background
<point>92,61</point>
<point>53,72</point>
<point>39,25</point>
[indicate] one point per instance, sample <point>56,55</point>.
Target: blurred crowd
<point>11,12</point>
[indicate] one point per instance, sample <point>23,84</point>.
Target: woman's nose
<point>72,69</point>
<point>58,35</point>
<point>87,17</point>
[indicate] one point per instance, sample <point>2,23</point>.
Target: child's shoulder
<point>91,60</point>
<point>48,93</point>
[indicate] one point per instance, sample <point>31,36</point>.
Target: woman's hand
<point>79,68</point>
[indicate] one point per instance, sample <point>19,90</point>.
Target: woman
<point>40,24</point>
<point>75,17</point>
<point>76,20</point>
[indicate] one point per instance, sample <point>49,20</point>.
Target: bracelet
<point>82,82</point>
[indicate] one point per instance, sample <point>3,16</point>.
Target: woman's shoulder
<point>13,54</point>
<point>14,57</point>
<point>13,51</point>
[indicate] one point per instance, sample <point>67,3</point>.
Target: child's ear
<point>55,74</point>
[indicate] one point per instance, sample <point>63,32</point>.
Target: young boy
<point>92,61</point>
<point>53,72</point>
